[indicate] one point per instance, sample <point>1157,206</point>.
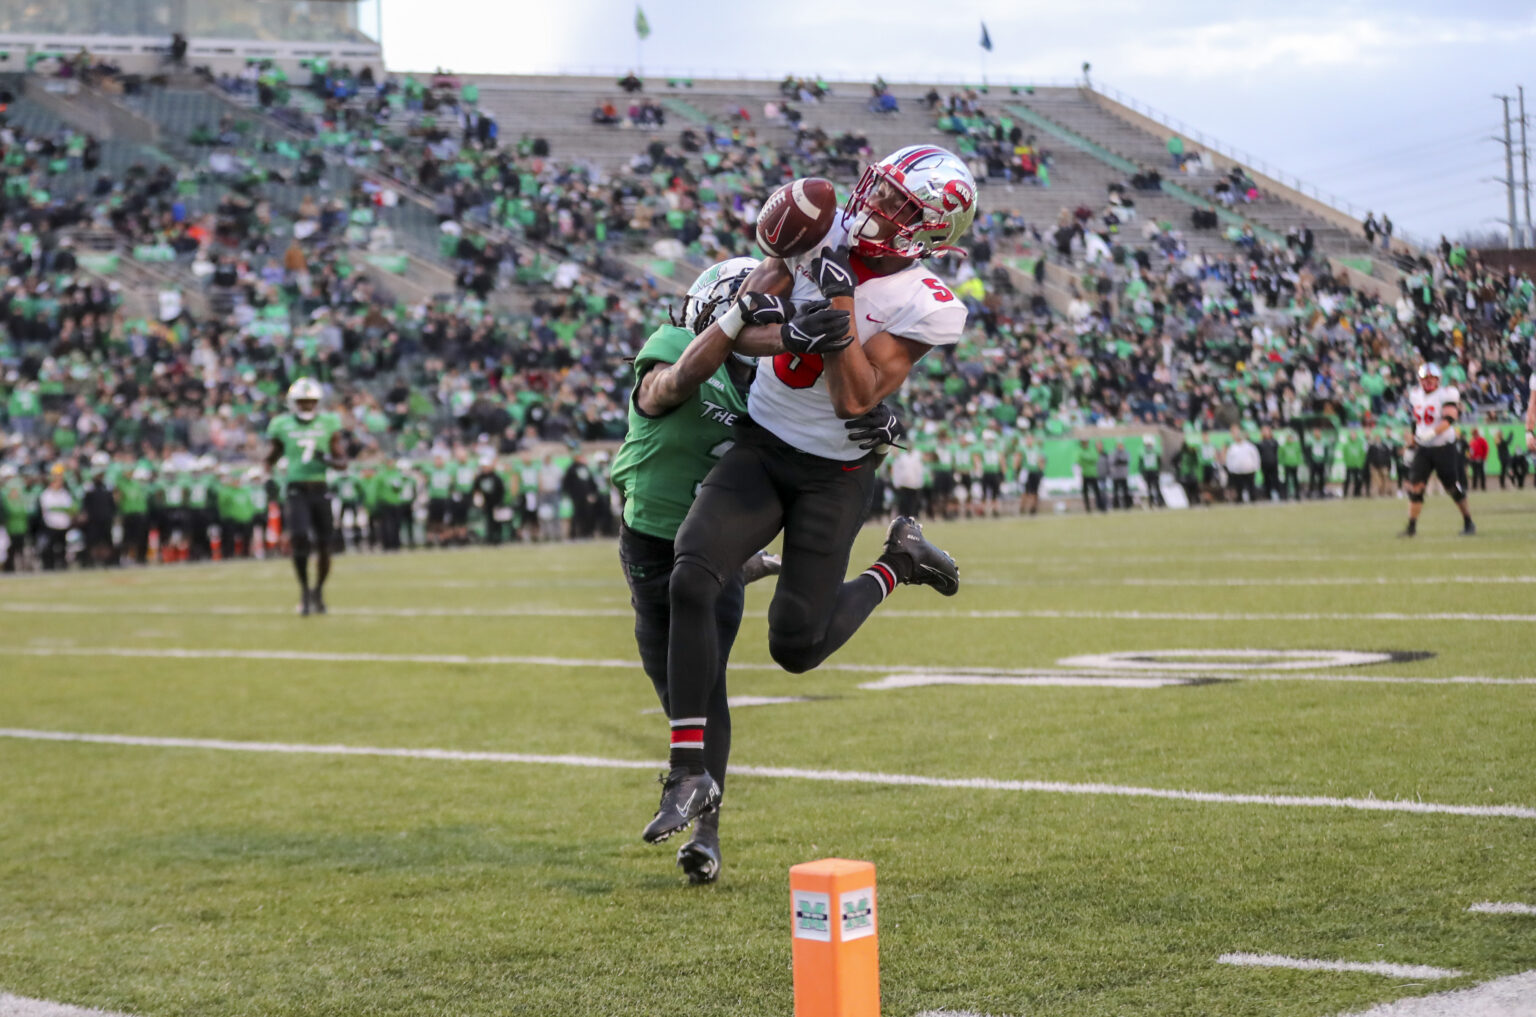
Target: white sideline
<point>21,1006</point>
<point>538,611</point>
<point>897,675</point>
<point>1503,908</point>
<point>792,773</point>
<point>1511,996</point>
<point>1271,960</point>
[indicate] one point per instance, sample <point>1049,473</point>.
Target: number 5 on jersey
<point>798,370</point>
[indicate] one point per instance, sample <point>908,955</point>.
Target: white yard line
<point>1271,960</point>
<point>1489,907</point>
<point>1512,996</point>
<point>21,1006</point>
<point>539,611</point>
<point>1067,679</point>
<point>793,773</point>
<point>1267,581</point>
<point>897,675</point>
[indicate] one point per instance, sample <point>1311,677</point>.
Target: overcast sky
<point>1387,103</point>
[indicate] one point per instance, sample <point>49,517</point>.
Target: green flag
<point>642,26</point>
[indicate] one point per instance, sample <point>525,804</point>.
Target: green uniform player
<point>311,442</point>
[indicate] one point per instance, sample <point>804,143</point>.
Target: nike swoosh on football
<point>772,236</point>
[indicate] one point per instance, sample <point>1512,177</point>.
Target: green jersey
<point>464,475</point>
<point>665,458</point>
<point>236,504</point>
<point>306,443</point>
<point>173,493</point>
<point>198,491</point>
<point>132,497</point>
<point>17,502</point>
<point>1088,462</point>
<point>439,482</point>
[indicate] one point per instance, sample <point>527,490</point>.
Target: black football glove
<point>763,309</point>
<point>817,328</point>
<point>878,429</point>
<point>832,274</point>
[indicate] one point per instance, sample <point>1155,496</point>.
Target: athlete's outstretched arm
<point>665,387</point>
<point>860,376</point>
<point>771,276</point>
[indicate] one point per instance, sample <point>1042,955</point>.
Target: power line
<point>1375,157</point>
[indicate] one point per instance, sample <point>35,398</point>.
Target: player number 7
<point>308,445</point>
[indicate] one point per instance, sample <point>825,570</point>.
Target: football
<point>796,216</point>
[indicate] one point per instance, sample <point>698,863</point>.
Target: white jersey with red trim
<point>789,395</point>
<point>1427,409</point>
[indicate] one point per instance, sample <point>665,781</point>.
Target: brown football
<point>797,216</point>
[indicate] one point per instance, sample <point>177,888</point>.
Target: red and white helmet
<point>915,203</point>
<point>1429,377</point>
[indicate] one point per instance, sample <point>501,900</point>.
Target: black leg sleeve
<point>736,513</point>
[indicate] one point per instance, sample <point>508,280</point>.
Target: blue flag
<point>986,40</point>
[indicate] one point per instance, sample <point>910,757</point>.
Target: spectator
<point>1269,463</point>
<point>1088,467</point>
<point>1242,464</point>
<point>1120,476</point>
<point>631,84</point>
<point>1477,456</point>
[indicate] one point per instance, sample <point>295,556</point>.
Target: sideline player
<point>1530,419</point>
<point>312,443</point>
<point>794,467</point>
<point>690,391</point>
<point>1432,442</point>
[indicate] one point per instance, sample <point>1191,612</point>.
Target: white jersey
<point>789,396</point>
<point>1427,409</point>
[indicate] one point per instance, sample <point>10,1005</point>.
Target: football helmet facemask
<point>915,203</point>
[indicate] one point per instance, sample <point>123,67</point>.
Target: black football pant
<point>1354,481</point>
<point>1153,480</point>
<point>1121,498</point>
<point>759,487</point>
<point>647,563</point>
<point>1092,495</point>
<point>55,549</point>
<point>1290,487</point>
<point>136,537</point>
<point>1316,478</point>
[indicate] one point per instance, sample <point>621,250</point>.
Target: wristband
<point>731,322</point>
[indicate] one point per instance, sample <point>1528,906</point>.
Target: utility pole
<point>1525,174</point>
<point>1509,172</point>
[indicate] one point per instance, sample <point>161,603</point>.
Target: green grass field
<point>163,879</point>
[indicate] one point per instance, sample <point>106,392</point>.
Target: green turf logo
<point>813,915</point>
<point>857,908</point>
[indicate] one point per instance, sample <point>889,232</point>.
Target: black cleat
<point>685,796</point>
<point>700,857</point>
<point>760,566</point>
<point>1401,534</point>
<point>317,602</point>
<point>1469,529</point>
<point>930,566</point>
<point>304,604</point>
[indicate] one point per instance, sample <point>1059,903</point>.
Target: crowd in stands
<point>1260,336</point>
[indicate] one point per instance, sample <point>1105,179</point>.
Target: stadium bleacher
<point>515,282</point>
